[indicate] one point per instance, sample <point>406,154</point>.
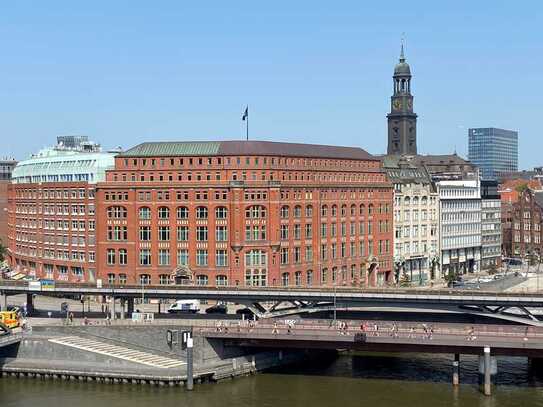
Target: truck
<point>185,306</point>
<point>10,319</point>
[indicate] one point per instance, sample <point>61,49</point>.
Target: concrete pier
<point>30,303</point>
<point>487,367</point>
<point>456,370</point>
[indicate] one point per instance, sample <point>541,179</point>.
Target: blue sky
<point>123,72</point>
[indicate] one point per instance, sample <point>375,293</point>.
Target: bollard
<point>487,368</point>
<point>190,373</point>
<point>456,369</point>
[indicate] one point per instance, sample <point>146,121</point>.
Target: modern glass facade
<point>493,150</point>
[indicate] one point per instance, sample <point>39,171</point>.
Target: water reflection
<point>350,380</point>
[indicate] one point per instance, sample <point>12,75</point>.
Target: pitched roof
<point>195,148</point>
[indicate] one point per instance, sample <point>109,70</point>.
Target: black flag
<point>245,114</point>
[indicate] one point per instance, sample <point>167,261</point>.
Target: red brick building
<point>52,212</point>
<point>6,167</point>
<point>522,224</point>
<point>247,213</point>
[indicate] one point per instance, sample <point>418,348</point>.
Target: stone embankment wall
<point>37,356</point>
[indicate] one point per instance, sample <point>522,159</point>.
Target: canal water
<point>401,380</point>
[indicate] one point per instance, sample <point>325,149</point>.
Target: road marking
<point>118,352</point>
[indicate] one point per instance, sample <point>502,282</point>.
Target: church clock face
<point>397,104</point>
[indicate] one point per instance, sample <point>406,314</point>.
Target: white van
<point>189,306</point>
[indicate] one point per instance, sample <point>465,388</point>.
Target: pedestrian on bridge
<point>275,331</point>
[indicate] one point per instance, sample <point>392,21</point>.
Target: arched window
<point>201,212</point>
<point>424,200</point>
<point>407,200</point>
<point>297,211</point>
<point>255,212</point>
<point>221,212</point>
<point>353,210</point>
<point>362,210</point>
<point>221,280</point>
<point>334,210</point>
<point>285,279</point>
<point>145,279</point>
<point>308,211</point>
<point>145,213</point>
<point>116,212</point>
<point>324,210</point>
<point>343,210</point>
<point>284,212</point>
<point>370,209</point>
<point>182,212</point>
<point>202,279</point>
<point>415,200</point>
<point>298,278</point>
<point>163,212</point>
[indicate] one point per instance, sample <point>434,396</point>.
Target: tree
<point>450,277</point>
<point>492,269</point>
<point>2,252</point>
<point>521,188</point>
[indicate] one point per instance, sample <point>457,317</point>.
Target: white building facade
<point>460,226</point>
<point>416,222</point>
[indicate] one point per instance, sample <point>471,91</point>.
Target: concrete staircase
<point>119,352</point>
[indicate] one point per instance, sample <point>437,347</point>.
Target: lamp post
<point>335,303</point>
<point>142,291</point>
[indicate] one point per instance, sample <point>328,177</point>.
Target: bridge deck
<point>446,338</point>
<point>344,294</point>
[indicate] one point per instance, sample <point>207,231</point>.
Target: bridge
<point>268,302</point>
<point>380,336</point>
<point>486,341</point>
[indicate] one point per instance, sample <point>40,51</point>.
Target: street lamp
<point>335,303</point>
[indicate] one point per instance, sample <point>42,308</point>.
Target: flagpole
<point>247,126</point>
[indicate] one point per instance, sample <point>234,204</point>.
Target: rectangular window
<point>164,233</point>
<point>308,231</point>
<point>221,233</point>
<point>182,257</point>
<point>284,232</point>
<point>201,257</point>
<point>309,253</point>
<point>201,233</point>
<point>110,257</point>
<point>164,257</point>
<point>221,258</point>
<point>145,233</point>
<point>284,255</point>
<point>123,257</point>
<point>145,257</point>
<point>182,233</point>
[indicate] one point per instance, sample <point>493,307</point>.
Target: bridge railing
<point>109,288</point>
<point>382,328</point>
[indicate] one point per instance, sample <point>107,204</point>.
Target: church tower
<point>402,121</point>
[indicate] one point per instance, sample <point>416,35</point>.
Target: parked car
<point>245,312</point>
<point>217,309</point>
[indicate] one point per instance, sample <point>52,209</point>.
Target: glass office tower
<point>494,151</point>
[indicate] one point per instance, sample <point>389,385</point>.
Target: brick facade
<point>233,213</point>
